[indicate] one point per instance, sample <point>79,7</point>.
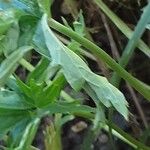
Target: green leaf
<point>45,6</point>
<point>30,7</point>
<point>13,110</point>
<point>78,73</point>
<point>141,87</point>
<point>31,92</point>
<point>11,100</point>
<point>17,132</point>
<point>10,42</point>
<point>106,92</point>
<point>38,95</point>
<point>100,115</point>
<point>61,55</point>
<point>29,135</point>
<point>52,93</point>
<point>7,18</point>
<point>79,27</point>
<point>9,119</point>
<point>38,42</point>
<point>8,66</point>
<point>12,84</point>
<point>39,70</point>
<point>27,24</point>
<point>66,108</point>
<point>8,123</point>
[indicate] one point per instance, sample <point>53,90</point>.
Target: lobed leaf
<point>78,73</point>
<point>141,87</point>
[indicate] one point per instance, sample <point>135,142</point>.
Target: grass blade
<point>130,47</point>
<point>122,26</point>
<point>8,66</point>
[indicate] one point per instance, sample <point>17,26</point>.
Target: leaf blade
<point>10,63</point>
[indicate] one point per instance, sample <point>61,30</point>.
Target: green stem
<point>26,64</point>
<point>138,85</point>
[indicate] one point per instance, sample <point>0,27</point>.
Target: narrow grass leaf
<point>65,108</point>
<point>8,66</point>
<point>131,45</point>
<point>38,42</point>
<point>122,26</point>
<point>39,70</point>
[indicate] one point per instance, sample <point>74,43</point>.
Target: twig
<point>110,37</point>
<point>138,106</point>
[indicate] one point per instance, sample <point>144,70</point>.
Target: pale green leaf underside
<point>77,72</point>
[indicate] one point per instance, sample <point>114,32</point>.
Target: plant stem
<point>26,64</point>
<point>138,85</point>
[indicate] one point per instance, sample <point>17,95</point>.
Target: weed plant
<point>28,26</point>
